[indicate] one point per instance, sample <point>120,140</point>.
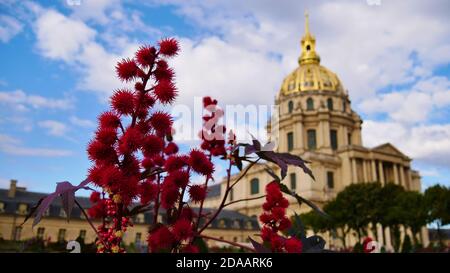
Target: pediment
<point>388,148</point>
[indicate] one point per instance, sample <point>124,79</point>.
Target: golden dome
<point>310,75</point>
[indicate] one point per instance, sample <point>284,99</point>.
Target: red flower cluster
<point>139,160</point>
<point>275,220</point>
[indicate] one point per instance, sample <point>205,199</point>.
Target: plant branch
<point>245,199</point>
<point>90,222</point>
<point>228,242</point>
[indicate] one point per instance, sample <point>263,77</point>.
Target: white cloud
<point>20,100</point>
<point>225,71</point>
<point>428,143</point>
<point>60,37</point>
<point>82,122</point>
<point>13,146</point>
<point>9,27</point>
<point>54,128</point>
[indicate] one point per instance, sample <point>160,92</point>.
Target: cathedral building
<point>316,121</point>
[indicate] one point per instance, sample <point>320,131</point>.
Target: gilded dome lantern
<point>310,75</point>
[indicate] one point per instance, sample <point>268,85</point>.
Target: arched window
<point>311,135</point>
<point>254,186</point>
<point>330,104</point>
<point>344,106</point>
<point>309,104</point>
<point>290,106</point>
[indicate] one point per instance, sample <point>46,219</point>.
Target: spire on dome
<point>308,44</point>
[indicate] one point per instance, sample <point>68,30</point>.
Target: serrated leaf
<point>313,244</point>
<point>259,248</point>
<point>67,192</point>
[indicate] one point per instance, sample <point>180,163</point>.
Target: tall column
<point>396,180</point>
<point>381,172</point>
<point>299,143</point>
<point>374,171</point>
<point>402,175</point>
<point>388,243</point>
<point>409,185</point>
<point>354,172</point>
<point>365,170</point>
<point>380,234</point>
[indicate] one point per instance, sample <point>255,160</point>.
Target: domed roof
<point>310,75</point>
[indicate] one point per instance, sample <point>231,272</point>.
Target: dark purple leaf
<point>297,161</point>
<point>301,200</point>
<point>67,192</point>
<point>259,248</point>
<point>32,211</point>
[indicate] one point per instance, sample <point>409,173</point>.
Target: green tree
<point>391,211</point>
<point>413,212</point>
<point>437,200</point>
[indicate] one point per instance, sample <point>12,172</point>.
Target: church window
<point>137,239</point>
<point>308,47</point>
<point>309,104</point>
<point>330,104</point>
<point>231,194</point>
<point>311,134</point>
<point>330,180</point>
<point>349,137</point>
<point>290,106</point>
<point>254,186</point>
<point>344,106</point>
<point>290,141</point>
<point>333,139</point>
<point>293,179</point>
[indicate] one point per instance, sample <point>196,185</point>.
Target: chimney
<point>12,188</point>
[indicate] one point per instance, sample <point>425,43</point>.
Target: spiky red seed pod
<point>266,233</point>
<point>145,100</point>
<point>106,135</point>
<point>163,71</point>
<point>95,197</point>
<point>109,120</point>
<point>123,101</point>
<point>147,163</point>
<point>112,177</point>
<point>130,141</point>
<point>169,194</point>
<point>158,160</point>
<point>293,245</point>
<point>95,174</point>
<point>161,122</point>
<point>160,239</point>
<point>165,91</point>
<point>148,191</point>
<point>145,56</point>
<point>277,243</point>
<point>266,218</point>
<point>182,229</point>
<point>98,151</point>
<point>139,86</point>
<point>278,213</point>
<point>152,145</point>
<point>284,224</point>
<point>171,148</point>
<point>197,193</point>
<point>130,165</point>
<point>175,162</point>
<point>179,178</point>
<point>127,69</point>
<point>200,163</point>
<point>168,47</point>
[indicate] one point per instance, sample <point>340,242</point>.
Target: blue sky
<point>57,70</point>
